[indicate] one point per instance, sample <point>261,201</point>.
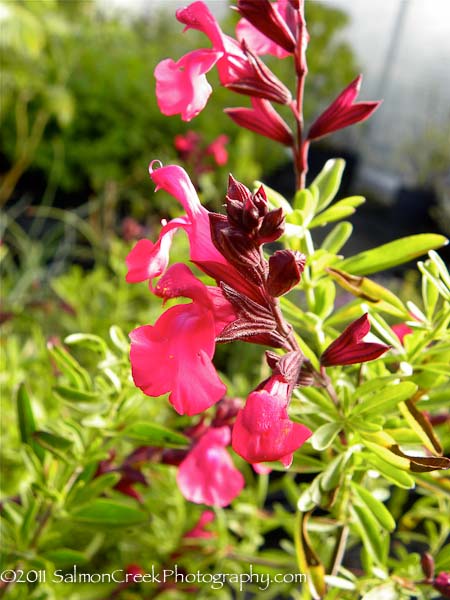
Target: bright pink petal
<point>269,20</point>
<point>218,151</point>
<point>257,41</point>
<point>400,330</point>
<point>174,355</point>
<point>207,475</point>
<point>198,16</point>
<point>263,431</point>
<point>181,87</point>
<point>223,310</point>
<point>199,530</point>
<point>178,281</point>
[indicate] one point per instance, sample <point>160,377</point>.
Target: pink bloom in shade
<point>442,584</point>
<point>199,530</point>
<point>349,348</point>
<point>343,111</point>
<point>181,87</point>
<point>148,260</point>
<point>187,145</point>
<point>207,475</point>
<point>181,344</point>
<point>238,67</point>
<point>218,151</point>
<point>400,330</point>
<point>263,431</point>
<point>262,119</point>
<point>264,29</point>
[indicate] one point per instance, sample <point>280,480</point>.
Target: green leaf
<point>305,203</point>
<point>65,557</point>
<point>333,473</point>
<point>71,368</point>
<point>119,339</point>
<point>25,417</point>
<point>328,181</point>
<point>50,441</point>
<point>377,508</point>
<point>154,435</point>
<point>324,436</point>
<point>324,296</point>
<point>108,513</point>
<point>390,472</point>
<point>74,394</point>
<point>83,493</point>
<point>440,265</point>
<point>337,237</point>
<point>392,254</point>
<point>89,341</point>
<point>385,399</point>
<point>340,210</point>
<point>442,560</point>
<point>369,530</point>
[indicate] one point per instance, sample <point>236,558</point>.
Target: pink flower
<point>400,330</point>
<point>262,119</point>
<point>199,530</point>
<point>342,112</point>
<point>187,145</point>
<point>264,27</point>
<point>218,151</point>
<point>181,87</point>
<point>207,475</point>
<point>442,584</point>
<point>181,345</point>
<point>263,431</point>
<point>147,260</point>
<point>349,348</point>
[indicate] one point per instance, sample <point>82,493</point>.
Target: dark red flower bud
<point>427,563</point>
<point>272,226</point>
<point>237,190</point>
<point>285,270</point>
<point>262,15</point>
<point>342,112</point>
<point>349,348</point>
<point>262,119</point>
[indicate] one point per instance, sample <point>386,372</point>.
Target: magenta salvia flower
<point>265,26</point>
<point>343,111</point>
<point>349,348</point>
<point>218,151</point>
<point>263,431</point>
<point>181,343</point>
<point>262,119</point>
<point>207,475</point>
<point>181,87</point>
<point>199,531</point>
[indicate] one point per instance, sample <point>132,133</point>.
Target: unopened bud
<point>285,270</point>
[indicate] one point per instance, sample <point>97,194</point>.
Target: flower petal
<point>207,475</point>
<point>181,87</point>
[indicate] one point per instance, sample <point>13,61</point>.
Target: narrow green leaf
<point>65,557</point>
<point>377,508</point>
<point>390,472</point>
<point>324,436</point>
<point>328,181</point>
<point>89,341</point>
<point>324,296</point>
<point>71,368</point>
<point>154,435</point>
<point>119,339</point>
<point>333,473</point>
<point>440,265</point>
<point>392,254</point>
<point>83,493</point>
<point>340,210</point>
<point>385,399</point>
<point>337,237</point>
<point>369,530</point>
<point>26,422</point>
<point>74,394</point>
<point>51,442</point>
<point>108,513</point>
